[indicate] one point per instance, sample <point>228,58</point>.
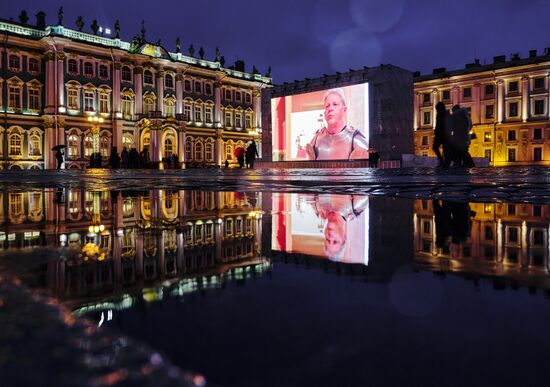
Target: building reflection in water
<point>494,239</point>
<point>154,242</point>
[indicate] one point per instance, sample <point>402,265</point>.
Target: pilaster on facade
<point>525,98</point>
<point>435,100</point>
<point>138,84</point>
<point>179,93</point>
<point>160,91</point>
<point>500,101</point>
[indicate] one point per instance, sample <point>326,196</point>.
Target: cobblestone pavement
<point>512,184</point>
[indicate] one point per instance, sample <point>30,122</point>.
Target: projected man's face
<point>335,234</point>
<point>335,113</point>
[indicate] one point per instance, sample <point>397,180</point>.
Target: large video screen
<point>330,124</point>
<point>334,227</point>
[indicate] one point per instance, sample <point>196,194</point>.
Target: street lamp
<point>95,121</point>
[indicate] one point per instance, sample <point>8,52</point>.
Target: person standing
<point>251,154</point>
<point>439,135</point>
<point>59,157</point>
<point>460,136</point>
<point>124,157</point>
<point>114,159</point>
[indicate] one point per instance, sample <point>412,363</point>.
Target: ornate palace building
<point>509,105</point>
<point>91,93</point>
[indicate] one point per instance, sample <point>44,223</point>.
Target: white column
<point>258,109</point>
<point>60,81</point>
<point>547,84</point>
<point>500,101</point>
<point>160,91</point>
<point>435,100</point>
<point>455,95</point>
<point>181,147</point>
<point>416,111</point>
<point>218,104</point>
<point>525,98</point>
<point>50,82</point>
<point>116,88</point>
<point>138,85</point>
<point>179,93</point>
<point>218,147</point>
<point>476,106</point>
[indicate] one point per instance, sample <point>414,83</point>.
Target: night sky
<point>309,38</point>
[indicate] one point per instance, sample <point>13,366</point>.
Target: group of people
<point>246,157</point>
<point>452,133</point>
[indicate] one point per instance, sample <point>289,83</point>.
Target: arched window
<point>198,150</point>
<point>104,145</point>
<point>89,97</point>
<point>148,77</point>
<point>73,143</point>
<point>104,102</point>
<point>128,142</point>
<point>229,151</point>
<point>14,63</point>
<point>15,144</point>
<point>88,145</point>
<point>209,151</point>
<point>188,148</point>
<point>198,111</point>
<point>187,85</point>
<point>208,113</point>
<point>127,106</point>
<point>228,117</point>
<point>187,110</point>
<point>169,146</point>
<point>146,141</point>
<point>35,145</point>
<point>126,74</point>
<point>169,107</point>
<point>148,103</point>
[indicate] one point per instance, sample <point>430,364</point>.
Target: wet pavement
<point>279,277</point>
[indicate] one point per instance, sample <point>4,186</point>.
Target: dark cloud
<point>306,38</point>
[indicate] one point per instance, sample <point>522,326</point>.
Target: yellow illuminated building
<point>508,102</point>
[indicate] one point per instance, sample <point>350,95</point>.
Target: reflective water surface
<point>275,289</point>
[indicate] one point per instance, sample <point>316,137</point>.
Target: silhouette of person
<point>59,157</point>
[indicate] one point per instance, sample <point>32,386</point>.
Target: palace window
<point>187,85</point>
<point>148,104</point>
<point>34,66</point>
<point>513,109</point>
<point>209,151</point>
<point>488,154</point>
<point>513,86</point>
<point>89,101</point>
<point>511,154</point>
<point>148,77</point>
<point>424,140</point>
<point>88,69</point>
<point>34,99</point>
<point>228,94</point>
<point>35,145</point>
<point>127,141</point>
<point>238,120</point>
<point>537,154</point>
<point>104,102</point>
<point>127,106</point>
<point>228,119</point>
<point>229,151</point>
<point>88,145</point>
<point>539,107</point>
<point>248,120</point>
<point>198,150</point>
<point>489,90</point>
<point>198,112</point>
<point>126,74</point>
<point>169,107</point>
<point>188,148</point>
<point>14,63</point>
<point>446,95</point>
<point>208,114</point>
<point>15,144</point>
<point>103,72</point>
<point>14,97</point>
<point>426,97</point>
<point>198,87</point>
<point>169,146</point>
<point>73,145</point>
<point>72,98</point>
<point>169,81</point>
<point>187,111</point>
<point>72,67</point>
<point>104,146</point>
<point>467,92</point>
<point>512,135</point>
<point>537,134</point>
<point>489,111</point>
<point>208,88</point>
<point>538,83</point>
<point>237,96</point>
<point>487,137</point>
<point>247,98</point>
<point>427,118</point>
